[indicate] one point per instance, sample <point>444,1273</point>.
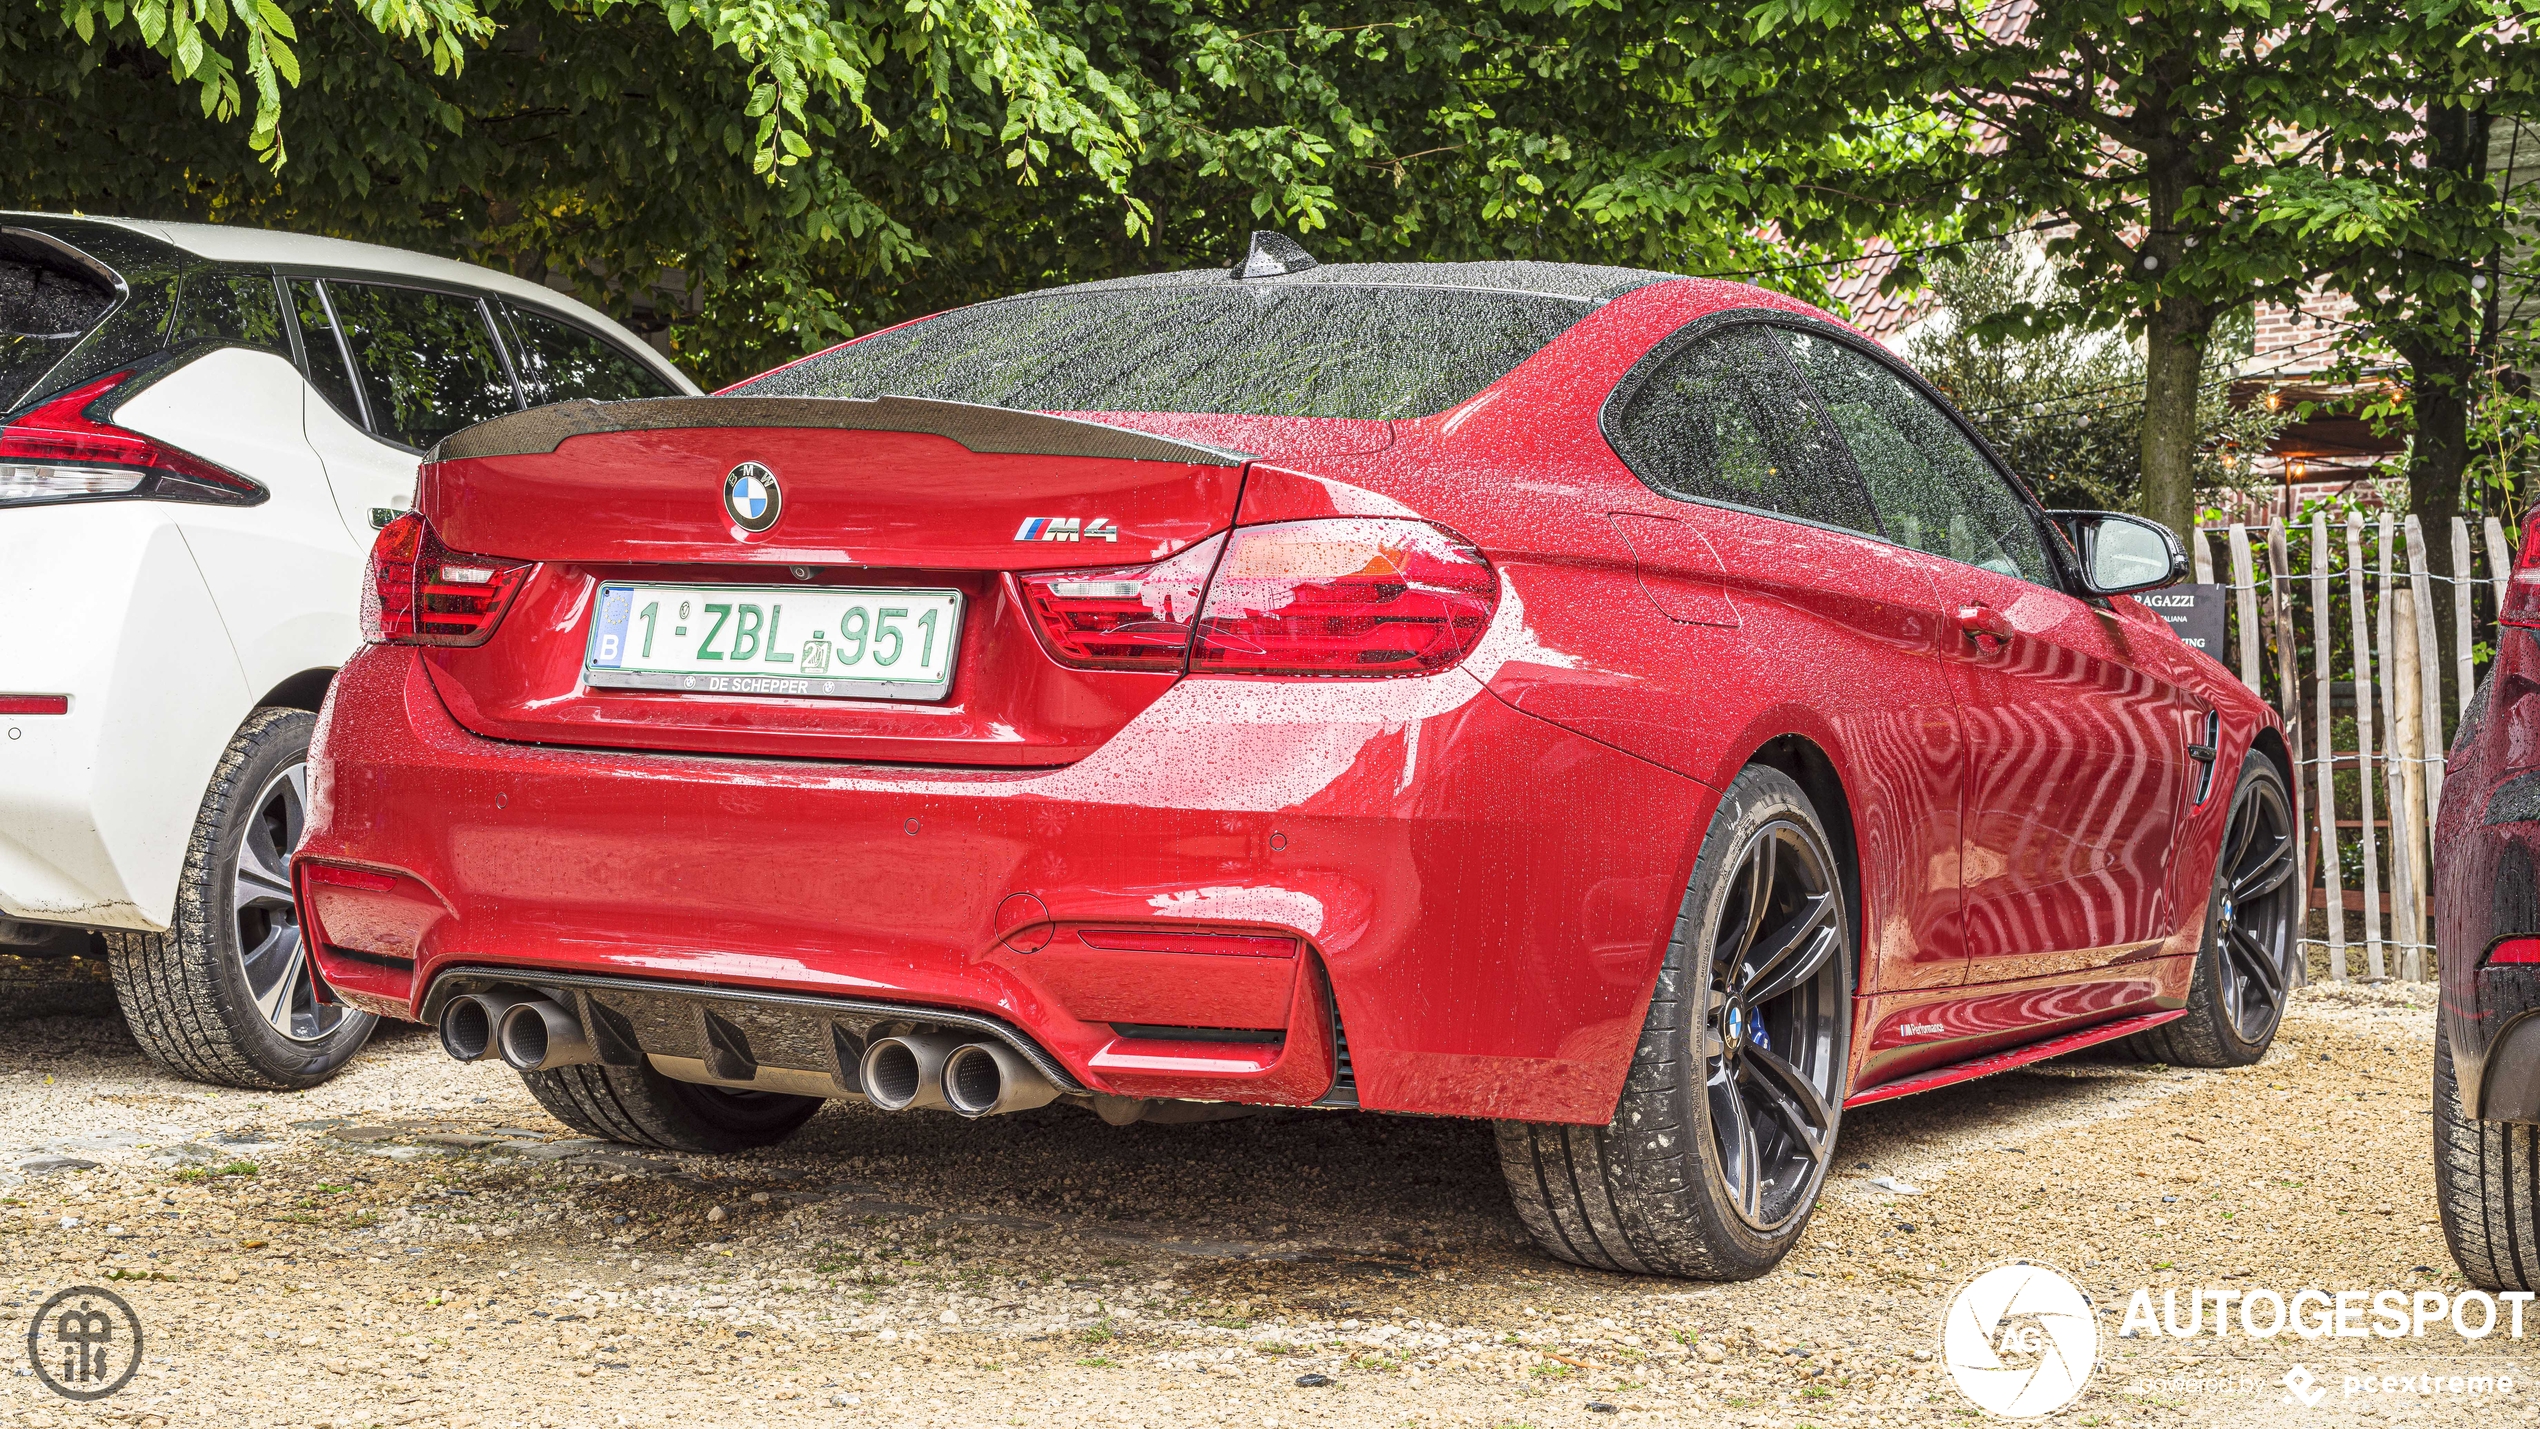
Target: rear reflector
<point>1125,617</point>
<point>419,593</point>
<point>1141,940</point>
<point>34,704</point>
<point>1350,596</point>
<point>2515,950</point>
<point>341,877</point>
<point>2521,605</point>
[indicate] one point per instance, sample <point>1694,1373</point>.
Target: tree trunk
<point>2440,358</point>
<point>2173,360</point>
<point>2438,389</point>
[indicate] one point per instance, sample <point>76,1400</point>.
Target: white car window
<point>427,361</point>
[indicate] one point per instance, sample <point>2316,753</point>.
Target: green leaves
<point>753,178</point>
<point>188,34</point>
<point>800,53</point>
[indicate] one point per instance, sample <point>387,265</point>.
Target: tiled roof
<point>1856,295</point>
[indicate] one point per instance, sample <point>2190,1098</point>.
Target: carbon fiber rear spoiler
<point>1004,430</point>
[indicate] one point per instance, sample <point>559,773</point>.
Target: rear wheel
<point>228,994</point>
<point>1719,1147</point>
<point>2486,1186</point>
<point>2250,961</point>
<point>640,1105</point>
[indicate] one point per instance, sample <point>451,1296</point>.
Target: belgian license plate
<point>817,641</point>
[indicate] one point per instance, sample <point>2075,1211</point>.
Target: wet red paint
<point>1479,866</point>
<point>1974,1067</point>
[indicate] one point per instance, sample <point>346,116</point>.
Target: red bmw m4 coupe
<point>1633,709</point>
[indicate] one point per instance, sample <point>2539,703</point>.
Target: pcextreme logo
<point>2020,1340</point>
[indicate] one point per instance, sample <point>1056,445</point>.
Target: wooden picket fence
<point>2384,648</point>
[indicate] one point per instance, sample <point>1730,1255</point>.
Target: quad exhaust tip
<point>468,1024</point>
<point>942,1071</point>
<point>529,1032</point>
<point>536,1035</point>
<point>908,1070</point>
<point>938,1071</point>
<point>988,1079</point>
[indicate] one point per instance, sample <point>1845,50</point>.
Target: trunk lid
<point>893,494</point>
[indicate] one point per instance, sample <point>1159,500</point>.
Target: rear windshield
<point>1287,350</point>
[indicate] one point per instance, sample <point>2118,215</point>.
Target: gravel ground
<point>417,1243</point>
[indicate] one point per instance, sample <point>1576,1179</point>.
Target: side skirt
<point>1992,1062</point>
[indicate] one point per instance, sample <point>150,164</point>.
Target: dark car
<point>2487,935</point>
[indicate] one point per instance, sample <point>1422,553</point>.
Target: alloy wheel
<point>264,925</point>
<point>1773,1026</point>
<point>2253,914</point>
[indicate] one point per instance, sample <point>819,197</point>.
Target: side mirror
<point>2121,554</point>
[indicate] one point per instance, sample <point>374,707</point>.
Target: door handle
<point>1990,629</point>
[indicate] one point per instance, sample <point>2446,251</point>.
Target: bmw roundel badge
<point>751,496</point>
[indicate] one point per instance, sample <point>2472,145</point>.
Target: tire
<point>191,995</point>
<point>1658,1190</point>
<point>643,1107</point>
<point>2486,1186</point>
<point>2249,962</point>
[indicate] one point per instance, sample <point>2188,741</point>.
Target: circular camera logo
<point>2020,1339</point>
<point>751,495</point>
<point>85,1343</point>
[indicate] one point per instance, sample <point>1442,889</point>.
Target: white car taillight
<point>57,452</point>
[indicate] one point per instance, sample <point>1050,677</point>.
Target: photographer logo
<point>2020,1340</point>
<point>84,1343</point>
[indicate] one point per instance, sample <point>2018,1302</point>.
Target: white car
<point>200,429</point>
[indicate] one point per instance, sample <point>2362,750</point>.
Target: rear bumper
<point>1485,895</point>
<point>2487,890</point>
<point>103,603</point>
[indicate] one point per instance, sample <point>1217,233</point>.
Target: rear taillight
<point>2515,950</point>
<point>418,592</point>
<point>58,452</point>
<point>1349,596</point>
<point>1123,618</point>
<point>2522,594</point>
<point>34,704</point>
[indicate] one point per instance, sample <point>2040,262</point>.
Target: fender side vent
<point>2205,754</point>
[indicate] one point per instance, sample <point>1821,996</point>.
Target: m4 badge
<point>1067,528</point>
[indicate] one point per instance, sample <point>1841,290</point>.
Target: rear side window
<point>45,309</point>
<point>1267,350</point>
<point>1933,489</point>
<point>427,362</point>
<point>560,362</point>
<point>237,308</point>
<point>322,349</point>
<point>1725,419</point>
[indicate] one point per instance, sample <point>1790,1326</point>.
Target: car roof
<point>223,243</point>
<point>1583,282</point>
